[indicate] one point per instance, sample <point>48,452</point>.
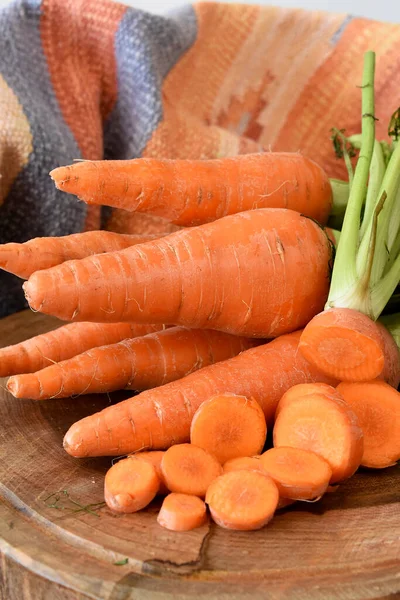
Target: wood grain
<point>347,546</point>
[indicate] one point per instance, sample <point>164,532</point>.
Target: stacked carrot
<point>232,324</point>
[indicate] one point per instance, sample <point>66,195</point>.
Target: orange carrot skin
<point>63,343</point>
<point>344,343</point>
<point>42,253</point>
<point>193,192</point>
<point>391,368</point>
<point>195,269</point>
<point>139,363</point>
<point>161,417</point>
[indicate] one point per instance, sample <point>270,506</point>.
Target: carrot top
<point>367,264</point>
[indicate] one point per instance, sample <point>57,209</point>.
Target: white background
<point>383,10</point>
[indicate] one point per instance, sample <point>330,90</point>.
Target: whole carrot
<point>42,253</point>
<point>63,343</point>
<point>139,364</point>
<point>259,273</point>
<point>161,417</point>
<point>193,192</point>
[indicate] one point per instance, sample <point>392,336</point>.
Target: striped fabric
<point>94,79</point>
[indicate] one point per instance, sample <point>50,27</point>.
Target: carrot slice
<point>247,463</point>
<point>377,406</point>
<point>188,469</point>
<point>229,426</point>
<point>155,457</point>
<point>130,485</point>
<point>284,503</point>
<point>182,512</point>
<point>299,474</point>
<point>344,344</point>
<point>326,426</point>
<point>304,389</point>
<point>243,500</point>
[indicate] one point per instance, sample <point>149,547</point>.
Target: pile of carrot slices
<point>254,315</point>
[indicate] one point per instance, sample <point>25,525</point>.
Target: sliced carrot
<point>326,426</point>
<point>188,469</point>
<point>345,344</point>
<point>377,406</point>
<point>182,512</point>
<point>247,463</point>
<point>229,426</point>
<point>304,389</point>
<point>284,503</point>
<point>299,474</point>
<point>243,500</point>
<point>130,485</point>
<point>155,457</point>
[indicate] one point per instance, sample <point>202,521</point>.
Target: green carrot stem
<point>344,272</point>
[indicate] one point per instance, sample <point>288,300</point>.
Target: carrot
<point>161,417</point>
<point>243,500</point>
<point>130,485</point>
<point>299,474</point>
<point>229,426</point>
<point>42,253</point>
<point>64,343</point>
<point>182,512</point>
<point>155,458</point>
<point>345,342</point>
<point>278,259</point>
<point>304,389</point>
<point>391,367</point>
<point>192,192</point>
<point>247,463</point>
<point>377,406</point>
<point>139,363</point>
<point>326,426</point>
<point>284,503</point>
<point>188,469</point>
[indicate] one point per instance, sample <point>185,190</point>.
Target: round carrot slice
<point>130,485</point>
<point>182,512</point>
<point>248,463</point>
<point>326,426</point>
<point>304,389</point>
<point>344,344</point>
<point>243,500</point>
<point>155,457</point>
<point>229,426</point>
<point>377,406</point>
<point>299,474</point>
<point>188,469</point>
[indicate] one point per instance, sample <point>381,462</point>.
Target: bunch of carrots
<point>252,315</point>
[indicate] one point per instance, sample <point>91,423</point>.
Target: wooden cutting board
<point>347,546</point>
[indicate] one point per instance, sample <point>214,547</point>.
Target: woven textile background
<point>92,79</point>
